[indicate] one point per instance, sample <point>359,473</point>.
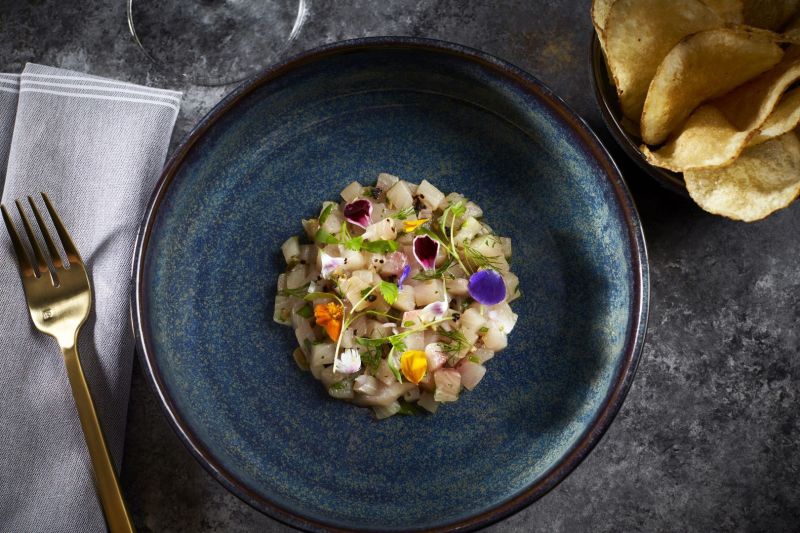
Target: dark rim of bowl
<point>629,217</point>
<point>606,97</point>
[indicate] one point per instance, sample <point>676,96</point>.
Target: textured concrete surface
<point>709,438</point>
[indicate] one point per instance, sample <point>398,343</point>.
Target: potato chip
<point>728,10</point>
<point>717,132</point>
<point>762,180</point>
<point>769,14</point>
<point>702,66</point>
<point>640,33</point>
<point>600,10</point>
<point>784,118</point>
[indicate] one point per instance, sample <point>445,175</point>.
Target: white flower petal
<point>348,362</point>
<point>330,264</point>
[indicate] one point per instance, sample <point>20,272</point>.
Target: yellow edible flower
<point>413,364</point>
<point>411,225</point>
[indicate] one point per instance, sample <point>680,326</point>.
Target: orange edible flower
<point>329,316</point>
<point>411,225</point>
<point>413,364</point>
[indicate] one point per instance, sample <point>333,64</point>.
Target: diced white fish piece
<point>399,195</point>
<point>430,195</point>
<point>352,192</point>
<point>448,385</point>
<point>471,374</point>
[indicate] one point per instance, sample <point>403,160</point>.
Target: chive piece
<point>475,359</point>
<point>408,408</point>
<point>408,324</point>
<point>483,329</point>
<point>326,213</point>
<point>305,311</point>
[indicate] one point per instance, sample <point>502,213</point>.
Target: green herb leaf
<point>475,359</point>
<point>354,243</point>
<point>404,213</point>
<point>408,324</point>
<point>297,292</point>
<point>305,311</point>
<point>323,237</point>
<point>480,260</point>
<point>380,247</point>
<point>326,212</point>
<point>389,291</point>
<point>484,329</point>
<point>398,344</point>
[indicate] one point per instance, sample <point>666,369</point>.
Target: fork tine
<point>66,240</point>
<point>25,267</point>
<point>51,247</point>
<point>37,251</point>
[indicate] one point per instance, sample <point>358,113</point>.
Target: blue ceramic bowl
<point>208,258</point>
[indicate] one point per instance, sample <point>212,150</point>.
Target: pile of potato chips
<point>711,87</point>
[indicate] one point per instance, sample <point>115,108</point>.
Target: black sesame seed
<point>372,298</point>
<point>456,316</point>
<point>381,260</point>
<point>302,261</point>
<point>376,192</point>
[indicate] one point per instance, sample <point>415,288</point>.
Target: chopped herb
<point>371,359</point>
<point>439,273</point>
<point>475,359</point>
<point>453,211</point>
<point>391,360</point>
<point>484,329</point>
<point>365,341</point>
<point>389,291</point>
<point>338,386</point>
<point>380,247</point>
<point>319,295</point>
<point>326,212</point>
<point>480,260</point>
<point>404,213</point>
<point>365,292</point>
<point>305,311</point>
<point>297,292</point>
<point>408,324</point>
<point>323,237</point>
<point>307,345</point>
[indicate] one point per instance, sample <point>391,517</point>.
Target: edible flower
<point>330,264</point>
<point>403,275</point>
<point>348,362</point>
<point>425,251</point>
<point>329,316</point>
<point>358,212</point>
<point>487,287</point>
<point>413,365</point>
<point>411,225</point>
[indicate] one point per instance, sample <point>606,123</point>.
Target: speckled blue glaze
<point>208,259</point>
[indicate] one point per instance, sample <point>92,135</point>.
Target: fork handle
<point>116,512</point>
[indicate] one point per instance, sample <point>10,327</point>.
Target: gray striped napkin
<point>96,146</point>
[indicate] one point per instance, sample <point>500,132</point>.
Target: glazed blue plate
<point>208,258</point>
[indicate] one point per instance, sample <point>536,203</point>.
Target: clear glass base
<point>215,42</point>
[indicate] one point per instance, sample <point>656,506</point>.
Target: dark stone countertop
<point>709,437</point>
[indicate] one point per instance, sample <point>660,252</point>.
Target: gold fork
<point>59,301</point>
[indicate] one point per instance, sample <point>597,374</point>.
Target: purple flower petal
<point>358,212</point>
<point>425,251</point>
<point>487,287</point>
<point>403,276</point>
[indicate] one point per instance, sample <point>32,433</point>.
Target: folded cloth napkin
<point>96,147</point>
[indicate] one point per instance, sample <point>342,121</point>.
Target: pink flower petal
<point>359,212</point>
<point>425,251</point>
